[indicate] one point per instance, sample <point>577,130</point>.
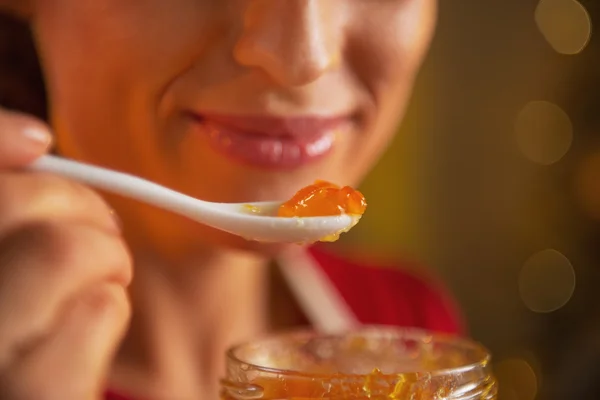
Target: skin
<point>120,77</point>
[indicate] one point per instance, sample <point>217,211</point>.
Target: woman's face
<point>230,100</point>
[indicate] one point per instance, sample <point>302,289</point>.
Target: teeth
<point>265,147</point>
<point>291,152</point>
<point>320,146</point>
<point>294,152</point>
<point>277,151</point>
<point>272,149</point>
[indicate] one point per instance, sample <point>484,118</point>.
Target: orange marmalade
<point>324,199</point>
<point>374,385</point>
<point>303,366</point>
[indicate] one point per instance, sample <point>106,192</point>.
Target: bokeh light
<point>546,281</point>
<point>517,379</point>
<point>544,132</point>
<point>587,185</point>
<point>565,24</point>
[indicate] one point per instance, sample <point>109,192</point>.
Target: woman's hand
<point>64,269</point>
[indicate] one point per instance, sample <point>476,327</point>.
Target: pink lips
<point>272,142</point>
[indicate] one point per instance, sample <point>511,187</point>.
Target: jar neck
<point>349,366</point>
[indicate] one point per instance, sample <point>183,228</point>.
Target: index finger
<point>22,139</point>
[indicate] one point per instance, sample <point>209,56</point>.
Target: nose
<point>292,41</point>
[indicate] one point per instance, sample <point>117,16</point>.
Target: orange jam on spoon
<point>324,199</point>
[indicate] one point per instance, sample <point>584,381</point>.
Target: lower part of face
<point>228,100</point>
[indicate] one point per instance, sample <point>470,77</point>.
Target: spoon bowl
<point>252,221</point>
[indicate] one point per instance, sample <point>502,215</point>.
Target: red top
<point>385,295</point>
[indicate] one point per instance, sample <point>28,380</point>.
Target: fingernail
<point>38,135</point>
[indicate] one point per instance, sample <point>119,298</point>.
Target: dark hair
<point>21,82</point>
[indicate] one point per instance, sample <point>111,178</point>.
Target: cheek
<point>107,64</point>
<point>389,42</point>
<point>102,54</point>
<point>385,51</point>
<point>143,35</point>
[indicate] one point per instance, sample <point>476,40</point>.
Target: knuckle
<point>52,190</point>
<point>63,249</point>
<point>7,202</point>
<point>46,241</point>
<point>36,195</point>
<point>20,191</point>
<point>109,300</point>
<point>38,385</point>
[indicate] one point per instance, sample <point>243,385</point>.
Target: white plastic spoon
<point>252,221</point>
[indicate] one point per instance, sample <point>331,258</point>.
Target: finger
<point>73,361</point>
<point>44,264</point>
<point>22,139</point>
<point>26,197</point>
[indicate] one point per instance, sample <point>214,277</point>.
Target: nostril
<point>292,42</point>
<point>286,64</point>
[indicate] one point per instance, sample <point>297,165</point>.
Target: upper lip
<point>293,127</point>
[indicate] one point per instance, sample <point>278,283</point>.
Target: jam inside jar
<point>370,363</point>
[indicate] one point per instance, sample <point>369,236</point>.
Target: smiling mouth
<point>272,142</point>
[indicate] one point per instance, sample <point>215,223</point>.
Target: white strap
<point>316,295</point>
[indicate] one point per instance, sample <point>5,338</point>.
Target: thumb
<point>22,139</point>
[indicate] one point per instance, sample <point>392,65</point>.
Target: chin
<point>270,250</point>
<point>236,243</point>
<point>196,238</point>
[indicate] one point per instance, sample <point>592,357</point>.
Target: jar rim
<point>417,334</point>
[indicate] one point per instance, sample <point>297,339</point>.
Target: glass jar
<point>370,363</point>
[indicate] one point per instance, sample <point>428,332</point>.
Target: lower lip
<point>267,151</point>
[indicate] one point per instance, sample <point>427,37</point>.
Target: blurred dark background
<point>494,182</point>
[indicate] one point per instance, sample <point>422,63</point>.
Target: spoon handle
<point>120,183</point>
